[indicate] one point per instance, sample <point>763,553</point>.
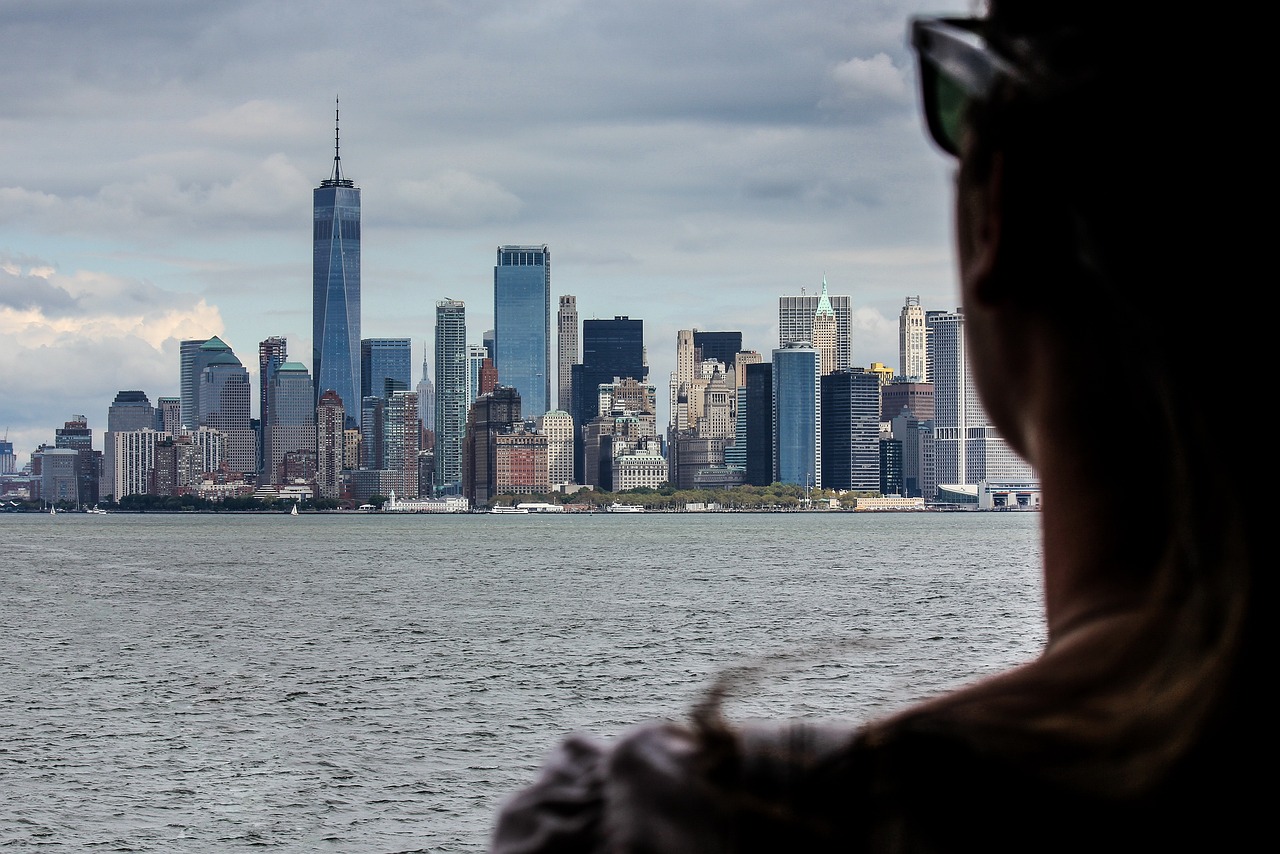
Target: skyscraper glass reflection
<point>335,295</point>
<point>522,324</point>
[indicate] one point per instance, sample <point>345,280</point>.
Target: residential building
<point>330,416</point>
<point>452,383</point>
<point>401,442</point>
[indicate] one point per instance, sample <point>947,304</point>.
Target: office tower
<point>400,436</point>
<point>8,463</point>
<point>131,410</point>
<point>291,425</point>
<point>272,353</point>
<point>685,373</point>
<point>522,323</point>
<point>196,354</point>
<point>557,426</point>
<point>882,371</point>
<point>451,392</point>
<point>796,315</point>
<point>330,416</point>
<point>385,366</point>
<point>476,354</point>
<point>611,349</point>
<point>75,435</point>
<point>967,447</point>
<point>758,380</point>
<point>851,431</point>
<point>224,398</point>
<point>824,331</point>
<point>567,354</point>
<point>797,415</point>
<point>169,415</point>
<point>372,432</point>
<point>912,342</point>
<point>335,287</point>
<point>906,395</point>
<point>426,397</point>
<point>722,347</point>
<point>486,341</point>
<point>490,414</point>
<point>488,376</point>
<point>59,482</point>
<point>187,379</point>
<point>919,469</point>
<point>891,466</point>
<point>520,463</point>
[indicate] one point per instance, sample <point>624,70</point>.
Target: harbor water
<point>379,683</point>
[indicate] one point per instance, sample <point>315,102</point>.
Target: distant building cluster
<point>488,422</point>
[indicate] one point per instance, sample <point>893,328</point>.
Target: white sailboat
<point>293,511</point>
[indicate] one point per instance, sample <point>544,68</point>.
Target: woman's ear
<point>980,231</point>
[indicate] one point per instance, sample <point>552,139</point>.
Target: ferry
<point>507,508</point>
<point>615,507</point>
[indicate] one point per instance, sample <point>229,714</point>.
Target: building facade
<point>291,422</point>
<point>851,431</point>
<point>386,365</point>
<point>335,288</point>
<point>330,416</point>
<point>795,323</point>
<point>557,426</point>
<point>967,447</point>
<point>797,416</point>
<point>451,392</point>
<point>522,323</point>
<point>567,352</point>
<point>913,346</point>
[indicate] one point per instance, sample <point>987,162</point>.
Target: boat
<point>615,507</point>
<point>294,510</point>
<point>53,511</point>
<point>506,508</point>
<point>96,509</point>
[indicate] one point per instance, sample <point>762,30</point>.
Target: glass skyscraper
<point>797,416</point>
<point>385,366</point>
<point>522,324</point>
<point>335,289</point>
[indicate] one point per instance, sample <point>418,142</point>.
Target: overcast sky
<point>686,161</point>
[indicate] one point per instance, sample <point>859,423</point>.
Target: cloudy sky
<point>687,162</point>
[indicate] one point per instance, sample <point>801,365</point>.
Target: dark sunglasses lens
<point>947,103</point>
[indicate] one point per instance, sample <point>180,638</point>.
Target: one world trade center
<point>335,294</point>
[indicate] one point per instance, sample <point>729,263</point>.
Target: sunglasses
<point>957,67</point>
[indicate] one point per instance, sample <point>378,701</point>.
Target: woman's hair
<point>1115,214</point>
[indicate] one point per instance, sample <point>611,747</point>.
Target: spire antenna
<point>336,178</point>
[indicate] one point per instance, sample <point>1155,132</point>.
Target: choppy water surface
<point>379,683</point>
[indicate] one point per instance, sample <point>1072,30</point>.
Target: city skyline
<point>169,201</point>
